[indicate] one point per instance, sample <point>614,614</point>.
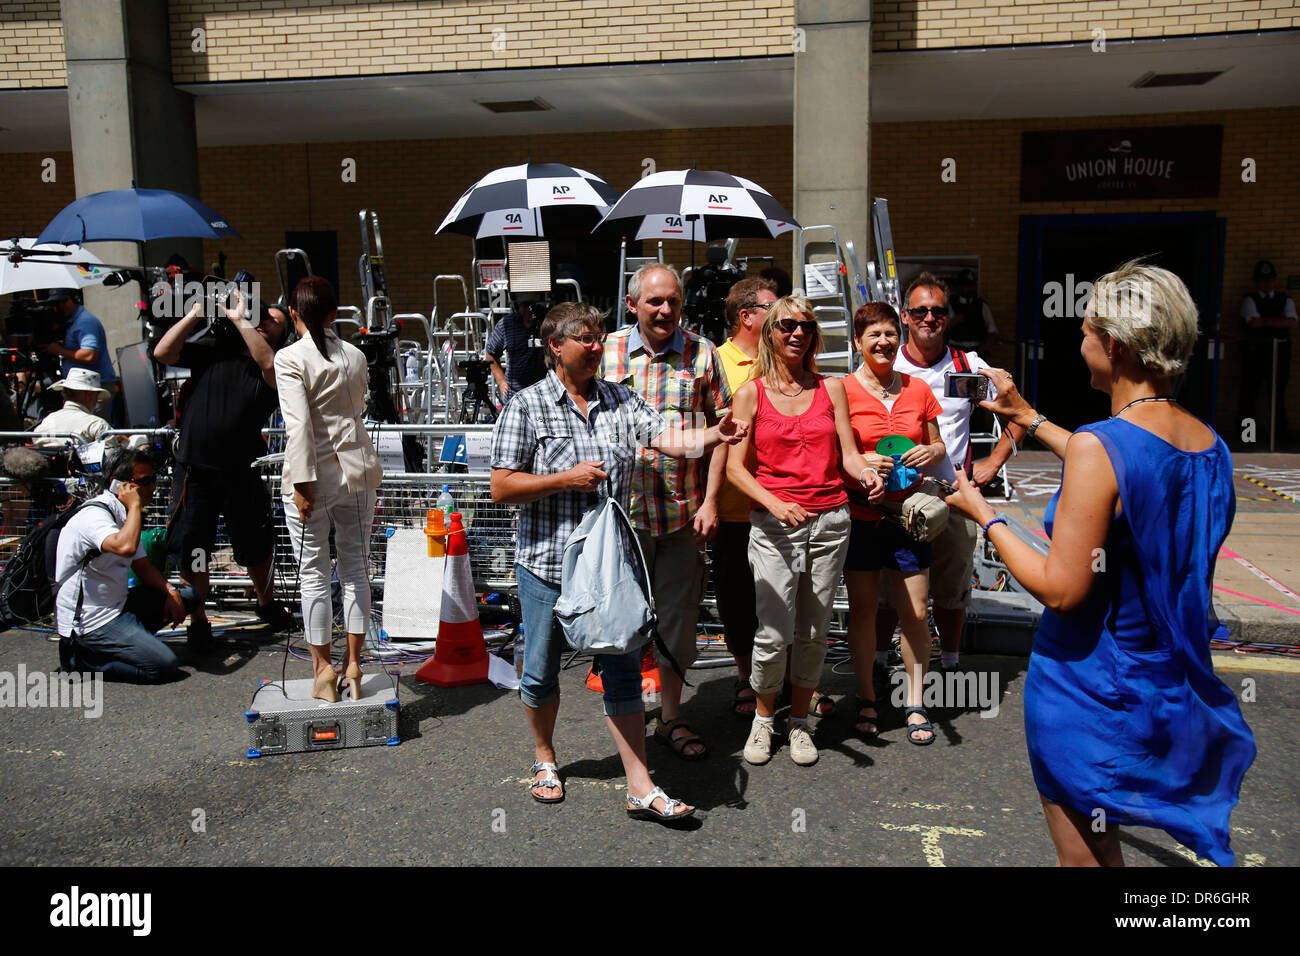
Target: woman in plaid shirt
<point>555,445</point>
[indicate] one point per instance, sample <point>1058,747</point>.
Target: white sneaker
<point>758,748</point>
<point>802,748</point>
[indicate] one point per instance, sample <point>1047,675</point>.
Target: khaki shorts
<point>677,576</point>
<point>796,571</point>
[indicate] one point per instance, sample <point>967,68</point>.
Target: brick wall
<point>299,38</point>
<point>344,38</point>
<point>933,24</point>
<point>31,44</point>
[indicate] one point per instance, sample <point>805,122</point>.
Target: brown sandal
<point>676,743</point>
<point>815,704</point>
<point>738,702</point>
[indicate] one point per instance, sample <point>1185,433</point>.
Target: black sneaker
<point>67,655</point>
<point>199,635</point>
<point>274,614</point>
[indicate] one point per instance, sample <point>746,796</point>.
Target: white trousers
<point>351,514</point>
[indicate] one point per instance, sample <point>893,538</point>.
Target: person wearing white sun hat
<point>81,393</point>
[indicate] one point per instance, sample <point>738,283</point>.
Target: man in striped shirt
<point>680,375</point>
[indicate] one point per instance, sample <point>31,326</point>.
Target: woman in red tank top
<point>789,465</point>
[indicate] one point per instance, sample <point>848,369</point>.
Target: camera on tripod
<point>379,346</point>
<point>476,371</point>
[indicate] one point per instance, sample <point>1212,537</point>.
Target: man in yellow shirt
<point>733,582</point>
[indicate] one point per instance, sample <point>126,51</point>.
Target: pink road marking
<point>1255,599</point>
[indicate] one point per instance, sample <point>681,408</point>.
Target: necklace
<point>781,391</point>
<point>1139,401</point>
<point>873,384</point>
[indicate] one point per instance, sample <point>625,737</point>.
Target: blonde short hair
<point>1149,311</point>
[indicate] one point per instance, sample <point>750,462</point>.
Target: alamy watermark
<point>179,298</point>
<point>76,909</point>
<point>83,692</point>
<point>959,690</point>
<point>1130,300</point>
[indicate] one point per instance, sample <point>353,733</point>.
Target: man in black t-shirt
<point>515,336</point>
<point>230,396</point>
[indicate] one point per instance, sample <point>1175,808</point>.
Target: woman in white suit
<point>330,475</point>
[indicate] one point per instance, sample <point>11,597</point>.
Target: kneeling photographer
<point>228,400</point>
<point>104,625</point>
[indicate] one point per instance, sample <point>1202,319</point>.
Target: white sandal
<point>641,808</point>
<point>552,779</point>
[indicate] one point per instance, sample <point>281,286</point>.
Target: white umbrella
<point>47,266</point>
<point>532,199</point>
<point>696,204</point>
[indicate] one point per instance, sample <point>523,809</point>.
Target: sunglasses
<point>940,312</point>
<point>758,306</point>
<point>590,338</point>
<point>787,326</point>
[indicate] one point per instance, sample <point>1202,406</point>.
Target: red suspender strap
<point>959,360</point>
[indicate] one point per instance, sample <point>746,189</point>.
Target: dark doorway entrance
<point>322,248</point>
<point>1059,253</point>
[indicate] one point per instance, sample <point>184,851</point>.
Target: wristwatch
<point>1033,426</point>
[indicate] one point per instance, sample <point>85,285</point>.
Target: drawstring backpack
<point>606,603</point>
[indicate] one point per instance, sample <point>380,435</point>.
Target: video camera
<point>171,297</point>
<point>29,328</point>
<point>706,294</point>
<point>379,346</point>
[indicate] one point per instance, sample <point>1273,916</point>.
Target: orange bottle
<point>435,533</point>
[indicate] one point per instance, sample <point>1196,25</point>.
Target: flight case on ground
<point>286,719</point>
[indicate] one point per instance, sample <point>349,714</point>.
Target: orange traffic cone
<point>460,656</point>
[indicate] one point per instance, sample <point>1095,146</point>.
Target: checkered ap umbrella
<point>697,204</point>
<point>535,199</point>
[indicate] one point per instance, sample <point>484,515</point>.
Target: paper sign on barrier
<point>389,448</point>
<point>412,587</point>
<point>478,451</point>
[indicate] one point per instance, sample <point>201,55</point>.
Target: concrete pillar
<point>130,127</point>
<point>831,119</point>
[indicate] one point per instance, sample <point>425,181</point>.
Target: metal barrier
<point>403,502</point>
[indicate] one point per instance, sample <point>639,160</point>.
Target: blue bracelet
<point>992,522</point>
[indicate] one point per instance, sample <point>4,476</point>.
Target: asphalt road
<point>124,788</point>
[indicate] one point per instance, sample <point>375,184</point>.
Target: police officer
<point>1267,316</point>
<point>971,321</point>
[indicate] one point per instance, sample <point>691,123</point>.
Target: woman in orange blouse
<point>884,402</point>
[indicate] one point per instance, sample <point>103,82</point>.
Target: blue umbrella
<point>135,215</point>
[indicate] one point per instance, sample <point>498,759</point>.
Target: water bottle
<point>412,366</point>
<point>446,504</point>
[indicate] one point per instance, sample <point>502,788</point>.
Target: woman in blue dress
<point>1126,722</point>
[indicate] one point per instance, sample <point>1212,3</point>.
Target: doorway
<point>1058,254</point>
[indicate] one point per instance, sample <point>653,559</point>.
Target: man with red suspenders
<point>925,356</point>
